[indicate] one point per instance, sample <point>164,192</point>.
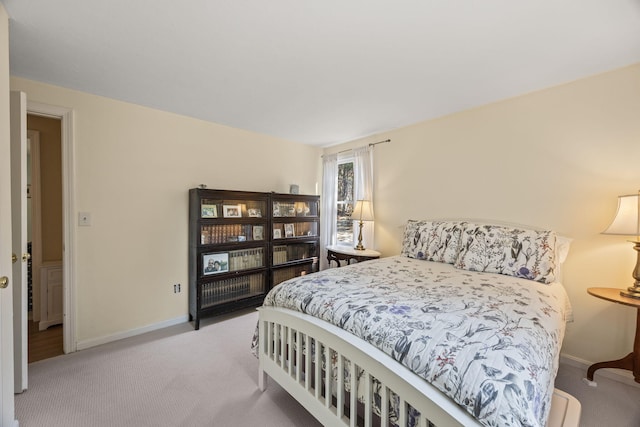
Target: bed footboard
<point>284,336</point>
<point>325,368</point>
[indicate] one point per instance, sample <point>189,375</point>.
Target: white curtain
<point>328,208</point>
<point>363,170</point>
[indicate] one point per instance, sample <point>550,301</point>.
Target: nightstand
<point>339,253</point>
<point>630,362</point>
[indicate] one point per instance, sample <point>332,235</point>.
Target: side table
<point>339,253</point>
<point>630,362</point>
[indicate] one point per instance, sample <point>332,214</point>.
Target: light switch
<point>84,218</point>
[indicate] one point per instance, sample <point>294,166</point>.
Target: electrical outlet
<point>176,288</point>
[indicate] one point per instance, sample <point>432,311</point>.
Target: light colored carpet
<point>181,377</point>
<point>612,403</point>
<point>172,377</point>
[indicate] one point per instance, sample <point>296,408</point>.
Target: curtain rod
<point>370,145</point>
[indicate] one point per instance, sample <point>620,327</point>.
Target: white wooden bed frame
<point>282,333</point>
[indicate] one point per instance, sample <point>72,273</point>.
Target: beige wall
<point>51,184</point>
<point>133,167</point>
<point>556,158</point>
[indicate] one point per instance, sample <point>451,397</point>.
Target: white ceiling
<point>318,72</point>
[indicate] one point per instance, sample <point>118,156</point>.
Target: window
<point>346,178</point>
<point>346,192</point>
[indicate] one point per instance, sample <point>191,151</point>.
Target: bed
<point>464,327</point>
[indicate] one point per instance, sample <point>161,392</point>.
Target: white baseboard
<point>620,375</point>
<point>43,325</point>
<point>83,345</point>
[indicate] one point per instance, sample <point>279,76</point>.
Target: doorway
<point>45,230</point>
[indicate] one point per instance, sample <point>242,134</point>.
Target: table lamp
<point>363,211</point>
<point>627,223</point>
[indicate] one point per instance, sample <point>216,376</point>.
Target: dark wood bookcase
<point>243,243</point>
<point>295,236</point>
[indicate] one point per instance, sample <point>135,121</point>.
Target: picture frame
<point>254,213</point>
<point>208,211</point>
<point>232,211</point>
<point>215,263</point>
<point>276,209</point>
<point>277,233</point>
<point>289,230</point>
<point>258,232</point>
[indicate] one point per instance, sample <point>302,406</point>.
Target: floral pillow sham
<point>528,254</point>
<point>518,252</point>
<point>432,240</point>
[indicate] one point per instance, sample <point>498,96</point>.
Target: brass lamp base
<point>634,291</point>
<point>631,292</point>
<point>359,246</point>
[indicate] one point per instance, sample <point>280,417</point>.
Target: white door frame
<point>68,223</point>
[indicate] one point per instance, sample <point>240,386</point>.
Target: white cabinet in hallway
<point>51,295</point>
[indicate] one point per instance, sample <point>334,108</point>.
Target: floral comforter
<point>488,341</point>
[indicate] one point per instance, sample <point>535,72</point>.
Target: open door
<point>7,409</point>
<point>19,240</point>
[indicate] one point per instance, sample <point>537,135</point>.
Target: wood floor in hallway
<point>44,344</point>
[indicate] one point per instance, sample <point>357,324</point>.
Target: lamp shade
<point>363,211</point>
<point>626,221</point>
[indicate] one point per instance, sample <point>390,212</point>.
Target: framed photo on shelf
<point>232,211</point>
<point>254,213</point>
<point>277,233</point>
<point>215,263</point>
<point>288,230</point>
<point>276,209</point>
<point>258,232</point>
<point>209,211</point>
